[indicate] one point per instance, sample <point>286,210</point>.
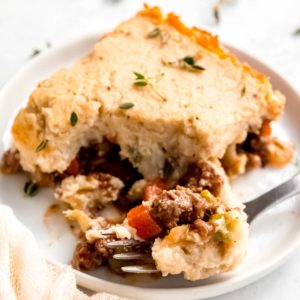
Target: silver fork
<point>253,208</point>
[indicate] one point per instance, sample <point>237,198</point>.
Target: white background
<point>264,28</point>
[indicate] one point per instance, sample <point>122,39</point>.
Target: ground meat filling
<point>11,162</point>
<point>256,145</point>
<point>262,150</point>
<point>259,149</point>
<point>111,190</point>
<point>180,206</point>
<point>90,255</point>
<point>203,177</point>
<point>253,161</point>
<point>105,158</point>
<point>204,228</point>
<point>86,256</point>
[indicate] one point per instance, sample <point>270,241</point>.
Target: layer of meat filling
<point>260,148</point>
<point>185,221</point>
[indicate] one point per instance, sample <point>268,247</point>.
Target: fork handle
<point>273,197</point>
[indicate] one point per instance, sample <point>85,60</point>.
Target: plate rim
<point>200,292</point>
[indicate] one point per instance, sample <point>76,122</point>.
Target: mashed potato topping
<point>203,111</point>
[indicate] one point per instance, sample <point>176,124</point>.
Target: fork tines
<point>140,269</point>
<point>129,242</point>
<point>107,231</point>
<point>129,256</point>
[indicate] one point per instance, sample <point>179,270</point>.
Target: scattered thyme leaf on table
<point>217,8</point>
<point>216,13</point>
<point>30,188</point>
<point>37,51</point>
<point>297,32</point>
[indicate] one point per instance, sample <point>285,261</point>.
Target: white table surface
<point>264,28</point>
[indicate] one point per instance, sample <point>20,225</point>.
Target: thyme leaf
<point>35,52</point>
<point>42,145</point>
<point>126,105</point>
<point>157,32</point>
<point>141,83</point>
<point>243,91</point>
<point>73,118</point>
<point>217,8</point>
<point>138,76</point>
<point>189,62</point>
<point>297,32</point>
<point>30,188</point>
<point>154,33</point>
<point>216,13</point>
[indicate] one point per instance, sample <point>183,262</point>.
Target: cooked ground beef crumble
<point>11,162</point>
<point>180,206</point>
<point>204,176</point>
<point>86,256</point>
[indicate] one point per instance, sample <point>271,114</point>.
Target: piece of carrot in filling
<point>140,219</point>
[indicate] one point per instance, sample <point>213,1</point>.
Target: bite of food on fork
<point>182,228</point>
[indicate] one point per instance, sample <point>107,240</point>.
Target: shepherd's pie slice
<point>139,138</point>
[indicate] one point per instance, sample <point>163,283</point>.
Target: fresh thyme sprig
<point>140,79</point>
<point>143,80</point>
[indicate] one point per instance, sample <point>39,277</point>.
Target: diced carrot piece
<point>74,168</point>
<point>265,128</point>
<point>154,188</point>
<point>140,219</point>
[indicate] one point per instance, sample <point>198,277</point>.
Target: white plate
<point>273,237</point>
